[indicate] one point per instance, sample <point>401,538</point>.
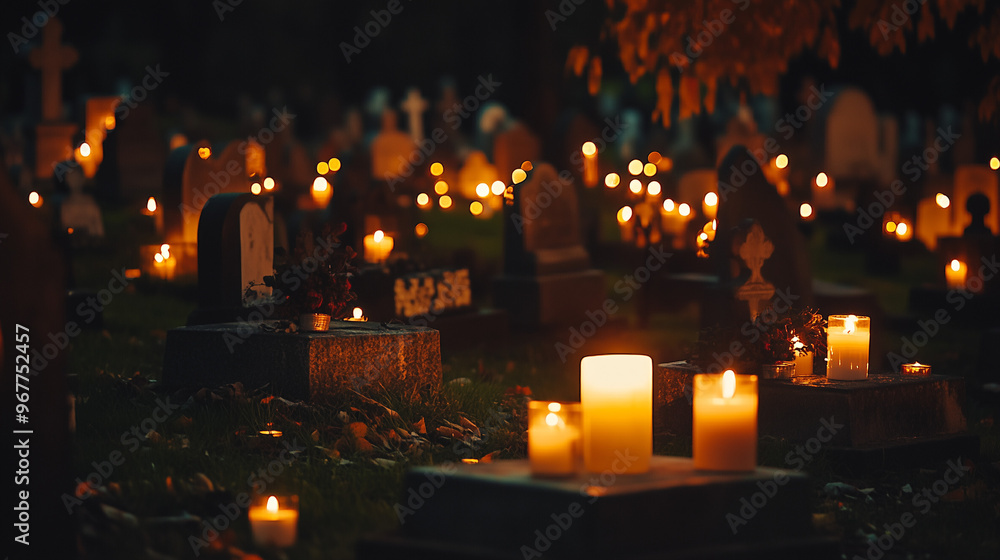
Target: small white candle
<point>847,339</point>
<point>378,245</point>
<point>553,437</point>
<point>955,274</point>
<point>590,175</point>
<point>275,525</point>
<point>616,391</point>
<point>724,436</point>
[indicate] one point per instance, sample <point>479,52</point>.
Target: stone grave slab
<point>547,279</point>
<point>888,419</point>
<point>498,511</point>
<point>303,365</point>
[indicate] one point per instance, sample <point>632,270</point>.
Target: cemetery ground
<point>162,474</point>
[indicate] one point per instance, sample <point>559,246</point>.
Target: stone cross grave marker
<point>55,138</point>
<point>52,58</point>
<point>414,106</point>
<point>754,251</point>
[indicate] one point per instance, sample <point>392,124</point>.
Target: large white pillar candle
<point>847,339</point>
<point>617,395</point>
<point>724,434</point>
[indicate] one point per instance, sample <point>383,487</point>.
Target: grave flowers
<point>312,281</point>
<point>768,346</point>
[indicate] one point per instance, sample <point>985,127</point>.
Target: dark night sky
<point>262,47</point>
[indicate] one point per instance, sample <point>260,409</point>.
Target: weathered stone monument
<point>55,136</point>
<point>547,279</point>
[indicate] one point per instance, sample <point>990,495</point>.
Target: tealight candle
<point>955,274</point>
<point>274,523</point>
<point>378,245</point>
<point>553,437</point>
<point>847,339</point>
<point>617,399</point>
<point>589,151</point>
<point>916,368</point>
<point>724,434</point>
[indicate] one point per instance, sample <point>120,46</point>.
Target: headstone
<point>754,206</point>
<point>546,276</point>
<point>194,174</point>
<point>414,106</point>
<point>34,305</point>
<point>475,170</point>
<point>513,146</point>
<point>235,251</point>
<point>391,150</point>
<point>54,137</point>
<point>78,210</point>
<point>695,184</point>
<point>971,179</point>
<point>741,130</point>
<point>100,119</point>
<point>135,156</point>
<point>854,146</point>
<point>754,251</point>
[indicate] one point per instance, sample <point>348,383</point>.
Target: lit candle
<point>164,265</point>
<point>358,315</point>
<point>553,437</point>
<point>955,274</point>
<point>710,205</point>
<point>617,395</point>
<point>321,192</point>
<point>847,338</point>
<point>803,362</point>
<point>274,524</point>
<point>378,245</point>
<point>589,164</point>
<point>823,192</point>
<point>916,368</point>
<point>724,434</point>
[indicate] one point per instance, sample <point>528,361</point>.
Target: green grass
<point>347,491</point>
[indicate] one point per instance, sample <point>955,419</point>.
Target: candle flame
<point>272,505</point>
<point>85,149</point>
<point>728,384</point>
<point>358,313</point>
<point>850,324</point>
<point>942,200</point>
<point>158,258</point>
<point>151,204</point>
<point>796,343</point>
<point>684,209</point>
<point>668,205</point>
<point>378,236</point>
<point>955,265</point>
<point>552,419</point>
<point>822,180</point>
<point>555,407</point>
<point>589,149</point>
<point>711,199</point>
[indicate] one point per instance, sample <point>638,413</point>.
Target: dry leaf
<point>420,426</point>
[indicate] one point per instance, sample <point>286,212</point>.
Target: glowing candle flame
<point>942,200</point>
<point>482,190</point>
<point>611,180</point>
<point>476,208</point>
<point>805,210</point>
<point>518,175</point>
<point>668,205</point>
<point>552,419</point>
<point>158,258</point>
<point>498,187</point>
<point>378,236</point>
<point>358,313</point>
<point>822,180</point>
<point>781,161</point>
<point>624,214</point>
<point>994,163</point>
<point>635,186</point>
<point>272,505</point>
<point>35,199</point>
<point>437,169</point>
<point>555,407</point>
<point>635,167</point>
<point>85,149</point>
<point>684,209</point>
<point>151,205</point>
<point>589,149</point>
<point>711,199</point>
<point>850,324</point>
<point>654,188</point>
<point>333,164</point>
<point>955,265</point>
<point>728,384</point>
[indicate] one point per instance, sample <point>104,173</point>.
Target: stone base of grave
<point>305,364</point>
<point>551,299</point>
<point>499,511</point>
<point>461,331</point>
<point>887,419</point>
